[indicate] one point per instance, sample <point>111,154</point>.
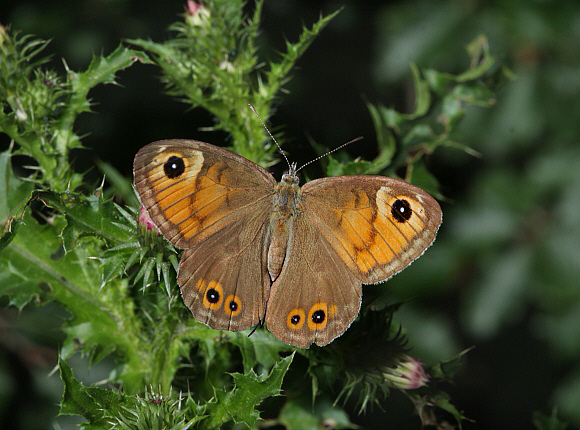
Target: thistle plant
<point>64,241</point>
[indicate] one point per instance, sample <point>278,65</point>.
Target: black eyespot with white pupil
<point>401,210</point>
<point>295,319</point>
<point>174,167</point>
<point>213,296</point>
<point>318,316</point>
<point>233,306</point>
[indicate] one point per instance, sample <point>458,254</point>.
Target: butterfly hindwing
<point>316,297</point>
<point>224,279</point>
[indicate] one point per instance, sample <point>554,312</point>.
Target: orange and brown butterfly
<point>259,250</point>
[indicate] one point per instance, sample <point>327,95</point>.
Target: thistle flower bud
<point>408,374</point>
<point>2,34</point>
<point>196,14</point>
<point>146,222</point>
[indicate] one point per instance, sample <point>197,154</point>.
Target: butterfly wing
<point>215,204</point>
<point>224,280</point>
<point>349,231</point>
<point>316,297</point>
<point>376,225</point>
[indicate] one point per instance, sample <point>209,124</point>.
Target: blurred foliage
<point>512,244</point>
<point>503,275</point>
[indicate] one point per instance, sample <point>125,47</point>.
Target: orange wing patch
<point>188,200</point>
<point>233,306</point>
<point>173,193</point>
<point>404,214</point>
<point>318,317</point>
<point>375,235</point>
<point>210,203</point>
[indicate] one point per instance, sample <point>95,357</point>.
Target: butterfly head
<point>291,177</point>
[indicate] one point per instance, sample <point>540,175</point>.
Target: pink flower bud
<point>196,13</point>
<point>146,222</point>
<point>408,374</point>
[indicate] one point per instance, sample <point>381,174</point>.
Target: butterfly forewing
<point>192,189</point>
<point>377,226</point>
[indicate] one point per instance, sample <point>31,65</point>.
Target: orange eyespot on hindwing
<point>233,306</point>
<point>213,294</point>
<point>317,316</point>
<point>296,318</point>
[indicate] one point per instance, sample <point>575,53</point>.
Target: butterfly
<point>257,250</point>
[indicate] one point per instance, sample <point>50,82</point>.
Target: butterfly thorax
<point>286,206</point>
<point>287,196</point>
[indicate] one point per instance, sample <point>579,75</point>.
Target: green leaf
<point>89,216</point>
<point>439,82</point>
<point>481,60</point>
<point>260,349</point>
<point>249,391</point>
<point>18,281</point>
<point>424,179</point>
<point>14,196</point>
<point>75,399</point>
<point>10,229</point>
<point>33,266</point>
<point>427,407</point>
<point>447,369</point>
<point>385,139</point>
<point>80,400</point>
<point>422,94</point>
<point>443,401</point>
<point>357,167</point>
<point>95,404</point>
<point>122,186</point>
<point>14,192</point>
<point>101,70</point>
<point>299,414</point>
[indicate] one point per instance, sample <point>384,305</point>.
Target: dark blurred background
<point>504,274</point>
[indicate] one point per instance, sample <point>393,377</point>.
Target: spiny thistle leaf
<point>440,100</point>
<point>88,216</point>
<point>156,411</point>
<point>14,196</point>
<point>43,273</point>
<point>239,404</point>
<point>38,108</point>
<point>359,366</point>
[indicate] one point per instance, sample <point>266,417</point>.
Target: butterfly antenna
<point>356,139</point>
<point>270,134</point>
